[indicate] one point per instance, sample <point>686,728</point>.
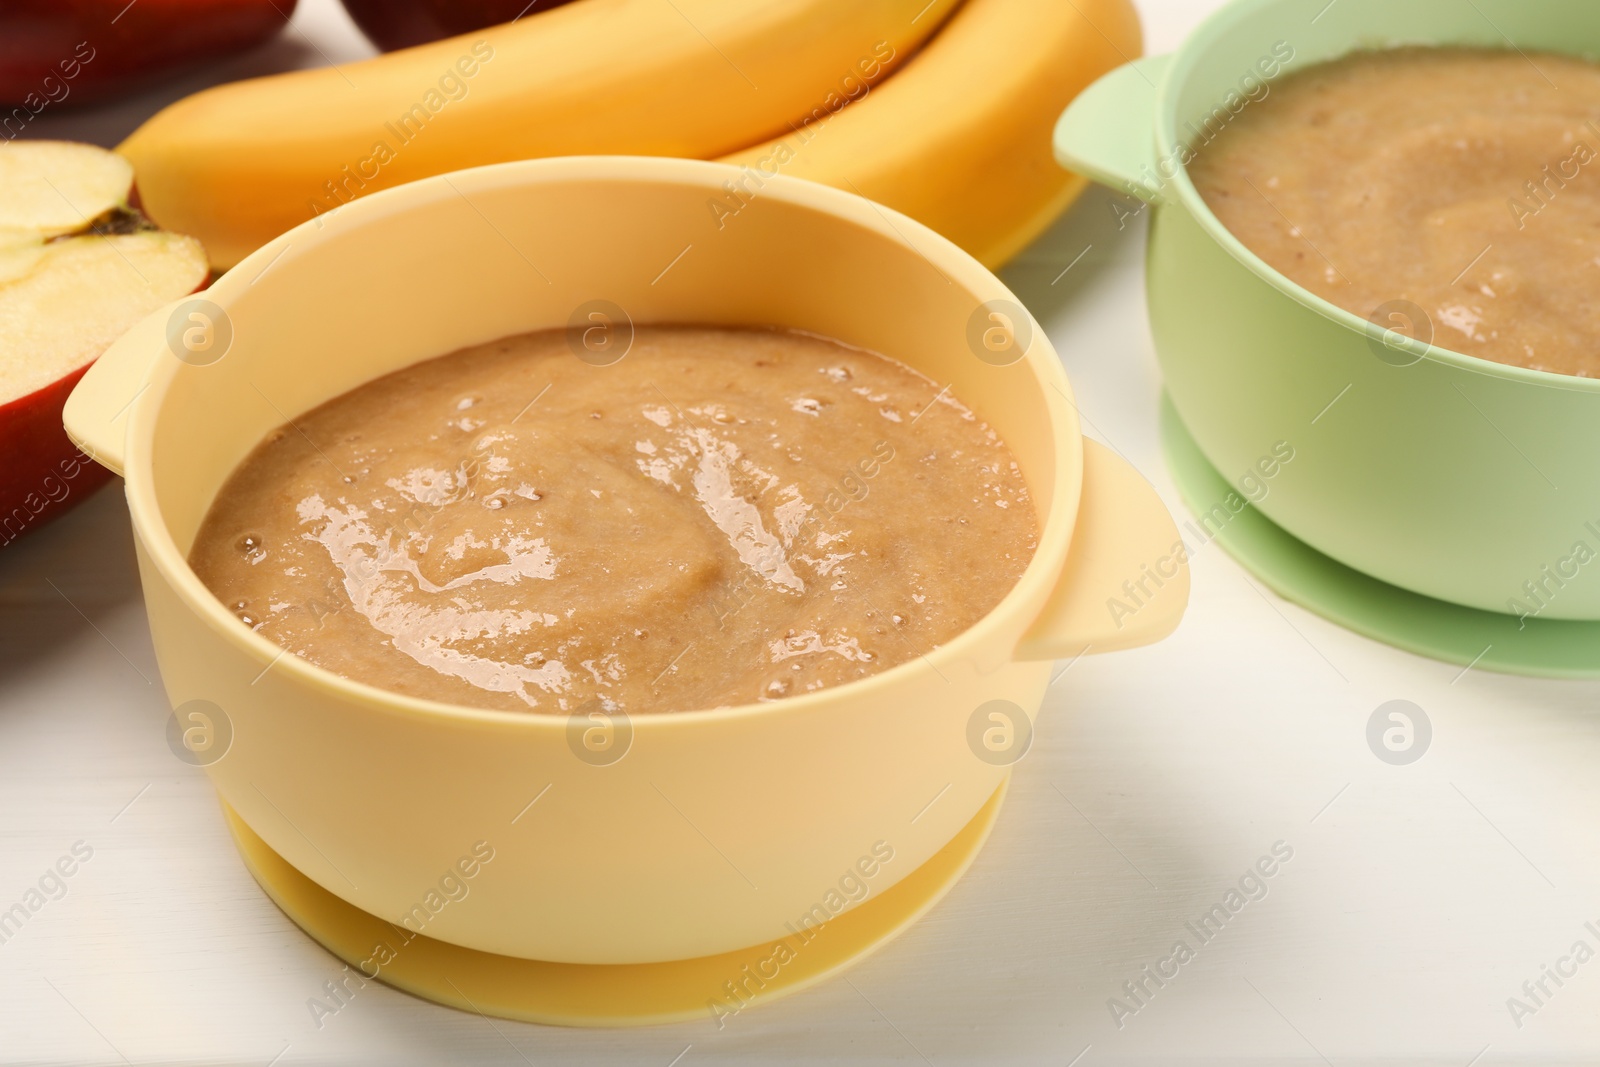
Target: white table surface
<point>1419,898</point>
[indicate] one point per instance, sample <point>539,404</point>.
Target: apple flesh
<point>392,24</point>
<point>56,51</point>
<point>64,298</point>
<point>50,188</point>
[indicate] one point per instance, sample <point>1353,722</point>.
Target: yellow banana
<point>241,163</point>
<point>960,138</point>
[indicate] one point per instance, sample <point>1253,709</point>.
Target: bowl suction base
<point>1483,640</point>
<point>570,994</point>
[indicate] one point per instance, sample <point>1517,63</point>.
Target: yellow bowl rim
<point>1044,569</point>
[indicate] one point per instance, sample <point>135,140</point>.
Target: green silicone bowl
<point>1446,475</point>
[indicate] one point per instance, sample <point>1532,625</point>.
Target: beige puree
<point>723,516</point>
<point>1466,182</point>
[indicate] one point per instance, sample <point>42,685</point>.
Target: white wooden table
<point>1418,899</point>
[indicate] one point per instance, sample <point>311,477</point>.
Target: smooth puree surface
<point>723,516</point>
<point>1466,182</point>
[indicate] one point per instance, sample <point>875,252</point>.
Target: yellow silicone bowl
<point>718,828</point>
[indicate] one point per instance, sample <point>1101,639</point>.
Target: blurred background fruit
<point>392,24</point>
<point>239,164</point>
<point>68,52</point>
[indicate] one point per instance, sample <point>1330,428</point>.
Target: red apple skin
<point>42,473</point>
<point>57,53</point>
<point>392,24</point>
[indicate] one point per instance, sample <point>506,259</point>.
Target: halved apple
<point>78,267</point>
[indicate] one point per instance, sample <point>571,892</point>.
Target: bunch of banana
<point>959,138</point>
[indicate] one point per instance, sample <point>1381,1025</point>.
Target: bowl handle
<point>1126,579</point>
<point>96,414</point>
<point>1108,131</point>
